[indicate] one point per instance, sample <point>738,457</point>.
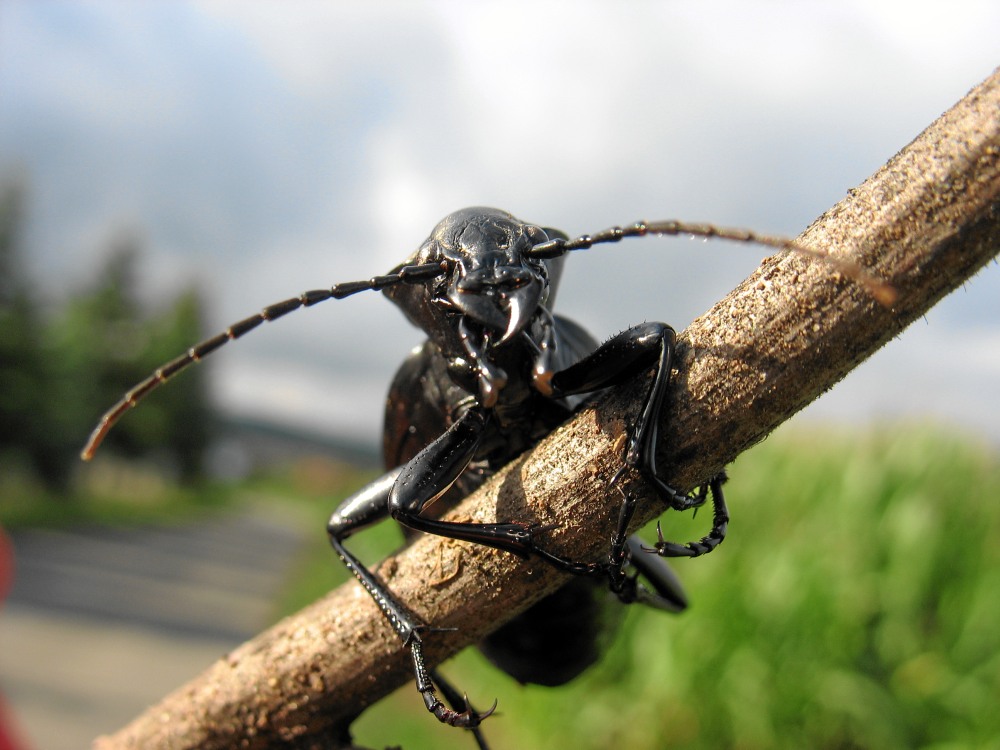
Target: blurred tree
<point>24,374</point>
<point>56,375</point>
<point>109,343</point>
<point>184,411</point>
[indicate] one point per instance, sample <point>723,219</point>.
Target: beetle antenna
<point>414,274</point>
<point>885,294</point>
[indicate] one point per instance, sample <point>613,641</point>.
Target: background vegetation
<point>854,605</point>
<point>58,363</point>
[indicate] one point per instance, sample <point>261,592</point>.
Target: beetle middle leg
<point>720,524</point>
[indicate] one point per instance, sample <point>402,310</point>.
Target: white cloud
<point>935,372</point>
<point>273,148</point>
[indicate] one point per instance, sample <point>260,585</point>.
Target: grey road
<point>103,622</point>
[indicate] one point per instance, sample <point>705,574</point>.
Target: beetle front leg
<point>361,509</point>
<point>404,493</point>
<point>432,472</point>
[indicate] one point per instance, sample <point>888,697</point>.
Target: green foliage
<point>854,605</point>
<point>58,372</point>
<point>143,498</point>
<point>106,334</point>
<point>22,362</point>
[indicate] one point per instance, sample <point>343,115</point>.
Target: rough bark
<point>926,222</point>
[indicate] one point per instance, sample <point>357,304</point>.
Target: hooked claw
<point>663,548</point>
<point>468,718</point>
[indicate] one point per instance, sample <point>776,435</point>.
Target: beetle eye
<point>536,235</point>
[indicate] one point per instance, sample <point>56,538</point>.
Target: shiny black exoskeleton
<point>499,371</point>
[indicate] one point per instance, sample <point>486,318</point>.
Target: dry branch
<point>926,222</point>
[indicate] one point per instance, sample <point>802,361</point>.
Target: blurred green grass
<point>115,493</point>
<point>855,604</point>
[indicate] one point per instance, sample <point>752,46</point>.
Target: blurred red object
<point>9,739</point>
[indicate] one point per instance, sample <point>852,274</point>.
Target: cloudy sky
<point>262,149</point>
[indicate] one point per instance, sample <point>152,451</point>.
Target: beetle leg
<point>618,359</point>
<point>720,524</point>
<point>433,471</point>
<point>404,493</point>
<point>614,362</point>
<point>361,509</point>
<point>668,592</point>
<point>618,557</point>
<point>457,700</point>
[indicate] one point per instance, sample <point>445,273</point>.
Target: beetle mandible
<point>500,370</point>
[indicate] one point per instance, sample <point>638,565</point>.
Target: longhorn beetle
<point>499,370</point>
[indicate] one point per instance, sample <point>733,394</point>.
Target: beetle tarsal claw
<point>490,711</point>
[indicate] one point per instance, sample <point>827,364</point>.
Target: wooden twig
<point>925,222</point>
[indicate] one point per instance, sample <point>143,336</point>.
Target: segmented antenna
<point>879,290</point>
<point>882,292</point>
<point>406,275</point>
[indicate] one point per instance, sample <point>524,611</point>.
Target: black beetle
<point>498,372</point>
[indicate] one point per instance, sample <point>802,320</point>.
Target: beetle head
<point>490,279</point>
